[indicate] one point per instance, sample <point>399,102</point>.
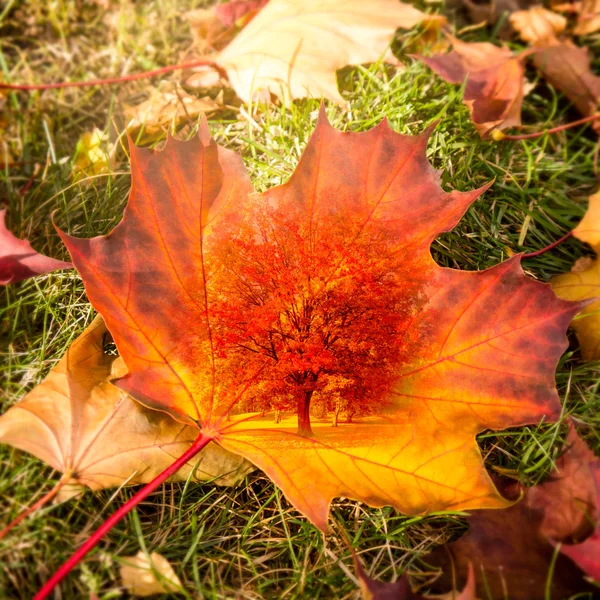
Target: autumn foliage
<point>307,330</point>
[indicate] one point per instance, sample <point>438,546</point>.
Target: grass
<point>247,542</point>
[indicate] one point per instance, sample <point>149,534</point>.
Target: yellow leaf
<point>293,48</point>
<point>144,575</point>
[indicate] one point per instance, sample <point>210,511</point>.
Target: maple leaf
<point>567,68</point>
<point>465,351</point>
<point>91,431</point>
<point>19,261</point>
<point>538,25</point>
<point>583,283</point>
<point>512,550</point>
<point>293,48</point>
<point>495,85</point>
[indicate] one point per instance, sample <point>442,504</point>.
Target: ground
<point>247,542</point>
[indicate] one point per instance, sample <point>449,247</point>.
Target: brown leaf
<point>293,48</point>
<point>168,106</point>
<point>143,575</point>
<point>493,10</point>
<point>19,261</point>
<point>495,82</point>
<point>85,427</point>
<point>538,25</point>
<point>511,550</point>
<point>567,68</point>
<point>401,590</point>
<point>587,554</point>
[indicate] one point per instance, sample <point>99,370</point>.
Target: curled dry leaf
<point>143,575</point>
<point>224,304</point>
<point>583,283</point>
<point>567,68</point>
<point>495,82</point>
<point>82,425</point>
<point>511,550</point>
<point>293,48</point>
<point>538,25</point>
<point>19,261</point>
<point>589,18</point>
<point>168,106</point>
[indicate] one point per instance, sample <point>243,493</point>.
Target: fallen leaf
<point>494,10</point>
<point>459,352</point>
<point>19,261</point>
<point>82,425</point>
<point>567,68</point>
<point>495,82</point>
<point>512,550</point>
<point>588,20</point>
<point>168,106</point>
<point>91,157</point>
<point>583,283</point>
<point>230,13</point>
<point>378,590</point>
<point>143,575</point>
<point>538,25</point>
<point>587,554</point>
<point>588,230</point>
<point>401,590</point>
<point>293,48</point>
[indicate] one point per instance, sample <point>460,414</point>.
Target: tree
<point>316,310</point>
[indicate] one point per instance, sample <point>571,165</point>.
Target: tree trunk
<point>304,428</point>
<point>336,414</point>
<point>277,416</point>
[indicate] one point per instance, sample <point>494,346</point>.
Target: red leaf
<point>19,261</point>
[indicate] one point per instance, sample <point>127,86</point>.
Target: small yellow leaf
<point>144,575</point>
<point>91,157</point>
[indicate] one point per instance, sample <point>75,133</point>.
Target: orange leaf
<point>221,301</point>
<point>87,428</point>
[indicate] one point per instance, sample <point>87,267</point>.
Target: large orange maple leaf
<point>225,304</point>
